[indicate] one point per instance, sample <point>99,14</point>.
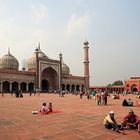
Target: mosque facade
<point>42,73</point>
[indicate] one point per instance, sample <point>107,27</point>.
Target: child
<point>44,109</point>
<point>50,107</point>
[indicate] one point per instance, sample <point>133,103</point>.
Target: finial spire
<point>86,42</point>
<point>60,55</point>
<point>39,45</point>
<point>8,50</point>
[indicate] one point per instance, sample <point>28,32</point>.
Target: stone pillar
<point>74,88</point>
<point>19,86</point>
<point>70,88</point>
<point>86,64</point>
<point>27,87</point>
<point>64,87</point>
<point>10,87</point>
<point>80,88</point>
<point>0,87</point>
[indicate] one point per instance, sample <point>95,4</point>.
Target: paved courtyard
<point>75,119</point>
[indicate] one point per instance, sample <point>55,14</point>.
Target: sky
<point>112,28</point>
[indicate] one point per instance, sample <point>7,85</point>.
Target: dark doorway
<point>23,86</point>
<point>31,87</point>
<point>63,87</point>
<point>45,85</point>
<point>77,88</point>
<point>14,86</point>
<point>6,86</point>
<point>134,88</point>
<point>73,88</point>
<point>68,87</point>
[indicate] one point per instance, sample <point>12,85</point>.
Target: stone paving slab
<point>78,119</point>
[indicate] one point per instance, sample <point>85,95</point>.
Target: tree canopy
<point>116,83</point>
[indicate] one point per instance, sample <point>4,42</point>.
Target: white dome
<point>32,60</point>
<point>65,69</point>
<point>8,61</point>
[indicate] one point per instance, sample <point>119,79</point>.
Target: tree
<point>109,85</point>
<point>118,83</point>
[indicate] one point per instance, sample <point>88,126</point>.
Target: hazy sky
<point>112,28</point>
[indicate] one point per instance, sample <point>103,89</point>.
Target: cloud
<point>39,13</point>
<point>78,26</point>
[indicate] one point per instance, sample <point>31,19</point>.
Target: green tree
<point>109,85</point>
<point>118,83</point>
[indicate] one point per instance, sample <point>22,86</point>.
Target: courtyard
<point>73,118</point>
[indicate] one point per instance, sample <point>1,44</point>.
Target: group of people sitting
<point>127,102</point>
<point>131,120</point>
<point>116,96</point>
<point>44,109</point>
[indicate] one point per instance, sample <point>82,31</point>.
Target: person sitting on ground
<point>44,109</point>
<point>110,122</point>
<point>131,120</point>
<point>50,107</point>
<point>130,102</point>
<point>124,103</point>
<point>115,96</point>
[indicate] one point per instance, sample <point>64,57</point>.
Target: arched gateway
<point>49,79</point>
<point>134,88</point>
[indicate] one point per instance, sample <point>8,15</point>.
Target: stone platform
<point>75,119</point>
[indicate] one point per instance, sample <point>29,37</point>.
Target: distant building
<point>133,84</point>
<point>42,73</point>
<point>120,89</point>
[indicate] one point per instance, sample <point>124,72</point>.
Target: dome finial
<point>39,45</point>
<point>8,50</point>
<point>60,54</point>
<point>60,57</point>
<point>86,42</point>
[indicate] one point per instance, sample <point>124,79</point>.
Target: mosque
<point>42,73</point>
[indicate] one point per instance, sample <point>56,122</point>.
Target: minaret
<point>61,60</point>
<point>37,66</point>
<point>86,64</point>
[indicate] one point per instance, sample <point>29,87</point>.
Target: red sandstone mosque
<point>42,73</point>
<point>132,84</point>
